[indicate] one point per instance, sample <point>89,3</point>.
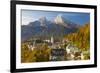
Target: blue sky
<point>32,15</point>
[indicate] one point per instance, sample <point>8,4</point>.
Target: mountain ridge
<point>44,28</point>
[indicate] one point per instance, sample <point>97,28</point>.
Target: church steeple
<point>52,39</point>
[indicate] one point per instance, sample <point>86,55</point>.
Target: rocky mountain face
<point>44,28</point>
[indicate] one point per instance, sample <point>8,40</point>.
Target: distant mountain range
<point>44,28</point>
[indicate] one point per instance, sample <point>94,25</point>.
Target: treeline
<point>81,38</point>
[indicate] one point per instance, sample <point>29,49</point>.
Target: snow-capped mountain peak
<point>59,19</point>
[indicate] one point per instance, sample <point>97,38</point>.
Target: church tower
<point>52,39</point>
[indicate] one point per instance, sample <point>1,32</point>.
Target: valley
<point>58,40</point>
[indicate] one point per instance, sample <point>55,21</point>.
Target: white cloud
<point>26,20</point>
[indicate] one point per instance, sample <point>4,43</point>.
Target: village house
<point>73,52</point>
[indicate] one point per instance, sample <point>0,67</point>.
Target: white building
<point>72,51</point>
<point>31,47</point>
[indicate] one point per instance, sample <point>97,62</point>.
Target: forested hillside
<point>81,38</point>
